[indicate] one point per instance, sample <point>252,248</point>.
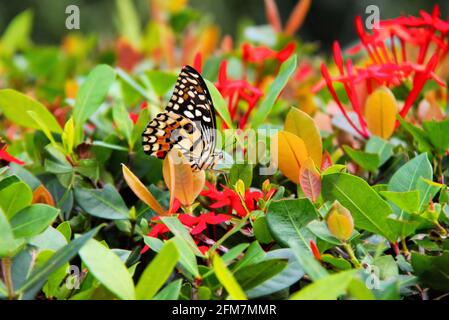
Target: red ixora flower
<point>196,225</point>
<point>230,199</point>
<point>4,155</point>
<point>387,66</point>
<point>235,91</point>
<point>262,53</point>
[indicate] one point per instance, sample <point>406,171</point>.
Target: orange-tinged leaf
<point>42,195</point>
<point>302,125</point>
<point>326,162</point>
<point>288,153</point>
<point>310,180</point>
<point>297,17</point>
<point>380,112</point>
<point>339,222</point>
<point>272,13</point>
<point>208,41</point>
<point>142,192</point>
<point>184,184</point>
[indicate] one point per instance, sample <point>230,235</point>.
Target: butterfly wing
<point>188,122</point>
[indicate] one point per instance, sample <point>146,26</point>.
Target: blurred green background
<point>327,20</point>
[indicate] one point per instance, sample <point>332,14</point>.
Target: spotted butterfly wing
<point>187,123</point>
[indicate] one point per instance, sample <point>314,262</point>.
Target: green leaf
<point>241,171</point>
<point>108,269</point>
<point>328,288</point>
<point>234,252</point>
<point>138,128</point>
<point>287,277</point>
<point>387,266</point>
<point>358,290</point>
<point>109,146</point>
<point>17,34</point>
<point>68,136</point>
<point>122,120</point>
<point>7,181</point>
<point>261,230</point>
<point>39,276</point>
<point>319,228</point>
<point>51,287</point>
<point>227,279</point>
<point>407,201</point>
<point>368,209</point>
<point>380,147</point>
<point>368,161</point>
<point>254,254</point>
<point>403,228</point>
<point>8,244</point>
<point>65,229</point>
<point>255,274</point>
<point>50,239</point>
<point>92,93</point>
<point>432,271</point>
<point>419,136</point>
<point>308,262</point>
<point>179,230</point>
<point>128,21</point>
<point>170,292</point>
<point>14,198</point>
<point>220,104</point>
<point>437,134</point>
<point>274,90</point>
<point>16,107</point>
<point>186,256</point>
<point>157,272</point>
<point>287,220</point>
<point>104,203</point>
<point>161,81</point>
<point>32,220</point>
<point>338,263</point>
<point>407,178</point>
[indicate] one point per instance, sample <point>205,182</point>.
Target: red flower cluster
<point>4,155</point>
<point>230,199</point>
<point>262,53</point>
<point>196,225</point>
<point>236,90</point>
<point>387,67</point>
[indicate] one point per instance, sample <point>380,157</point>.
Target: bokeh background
<point>326,21</point>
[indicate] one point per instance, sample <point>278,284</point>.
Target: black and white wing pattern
<point>187,123</point>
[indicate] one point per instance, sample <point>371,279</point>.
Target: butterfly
<point>187,123</point>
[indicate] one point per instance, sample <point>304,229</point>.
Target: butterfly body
<point>187,123</point>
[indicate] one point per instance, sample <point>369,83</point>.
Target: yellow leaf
<point>302,125</point>
<point>42,195</point>
<point>288,153</point>
<point>380,112</point>
<point>184,184</point>
<point>227,279</point>
<point>142,192</point>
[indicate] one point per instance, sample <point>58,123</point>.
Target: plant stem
<point>6,268</point>
<point>352,256</point>
<point>234,229</point>
<point>442,231</point>
<point>404,247</point>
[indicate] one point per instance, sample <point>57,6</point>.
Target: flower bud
<point>339,222</point>
<point>240,188</point>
